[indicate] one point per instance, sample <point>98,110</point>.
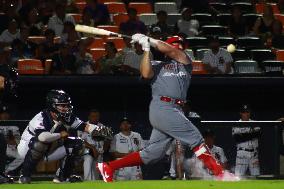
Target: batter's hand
<point>144,41</point>
<point>135,38</point>
<point>63,134</point>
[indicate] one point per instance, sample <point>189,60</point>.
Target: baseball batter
<point>170,81</point>
<point>123,143</point>
<point>247,145</point>
<point>46,137</point>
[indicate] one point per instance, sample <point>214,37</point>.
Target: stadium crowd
<point>39,37</point>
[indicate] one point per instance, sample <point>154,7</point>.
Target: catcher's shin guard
<point>203,154</point>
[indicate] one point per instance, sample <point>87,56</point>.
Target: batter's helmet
<point>175,41</point>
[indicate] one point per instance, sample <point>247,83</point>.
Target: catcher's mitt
<point>102,133</point>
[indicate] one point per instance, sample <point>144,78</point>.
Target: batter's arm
<point>170,51</point>
<point>146,69</point>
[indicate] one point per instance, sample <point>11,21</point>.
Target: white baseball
<point>231,48</point>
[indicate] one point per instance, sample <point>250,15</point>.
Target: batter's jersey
<point>171,78</point>
<point>126,144</point>
<point>43,122</point>
<point>250,144</point>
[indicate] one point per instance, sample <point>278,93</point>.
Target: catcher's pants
<point>90,171</point>
<point>247,160</point>
<point>168,123</point>
<point>129,173</point>
<point>12,152</point>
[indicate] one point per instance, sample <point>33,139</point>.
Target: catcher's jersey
<point>251,144</point>
<point>42,122</point>
<point>171,79</point>
<point>126,144</point>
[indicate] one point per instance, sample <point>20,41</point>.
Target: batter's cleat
<point>57,180</point>
<point>106,171</point>
<point>75,178</point>
<point>227,176</point>
<point>24,180</point>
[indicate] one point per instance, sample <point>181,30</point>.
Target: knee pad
<point>38,149</point>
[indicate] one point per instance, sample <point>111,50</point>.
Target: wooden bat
<point>98,31</point>
<point>179,163</point>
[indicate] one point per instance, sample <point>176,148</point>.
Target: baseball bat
<point>98,31</point>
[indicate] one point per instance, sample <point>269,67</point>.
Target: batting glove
<point>135,38</point>
<point>144,41</point>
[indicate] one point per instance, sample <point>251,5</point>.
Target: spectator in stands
<point>111,61</point>
<point>70,6</point>
<point>70,36</point>
<point>21,48</point>
<point>132,59</point>
<point>84,61</point>
<point>156,33</point>
<point>217,60</point>
<point>277,37</point>
<point>49,47</point>
<point>237,24</point>
<point>133,25</point>
<point>87,20</point>
<point>263,25</point>
<point>99,12</point>
<point>56,22</point>
<point>31,20</point>
<point>8,35</point>
<point>186,26</point>
<point>281,6</point>
<point>10,13</point>
<point>162,23</point>
<point>63,62</point>
<point>123,143</point>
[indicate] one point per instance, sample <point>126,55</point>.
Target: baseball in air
<point>231,48</point>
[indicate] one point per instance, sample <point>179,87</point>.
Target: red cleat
<point>227,176</point>
<point>106,171</point>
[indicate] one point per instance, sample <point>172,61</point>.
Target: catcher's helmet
<point>176,41</point>
<point>59,102</point>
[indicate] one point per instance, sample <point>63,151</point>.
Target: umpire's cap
<point>245,108</point>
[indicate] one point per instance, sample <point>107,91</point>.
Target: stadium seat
<point>57,40</point>
<point>246,66</point>
<point>97,43</point>
<point>77,17</point>
<point>30,66</point>
<point>280,55</point>
<point>280,17</point>
<point>47,66</point>
<point>261,55</point>
<point>249,42</point>
<point>107,1</point>
<point>220,7</point>
<point>97,53</point>
<point>37,39</point>
<point>214,30</point>
<point>109,28</point>
<point>240,54</point>
<point>118,42</point>
<point>225,41</point>
<point>250,19</point>
<point>203,18</point>
<point>224,18</point>
<point>81,6</point>
<point>141,7</point>
<point>196,42</point>
<point>245,7</point>
<point>119,18</point>
<point>259,8</point>
<point>169,7</point>
<point>173,18</point>
<point>200,53</point>
<point>116,7</point>
<point>273,67</point>
<point>148,18</point>
<point>198,67</point>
